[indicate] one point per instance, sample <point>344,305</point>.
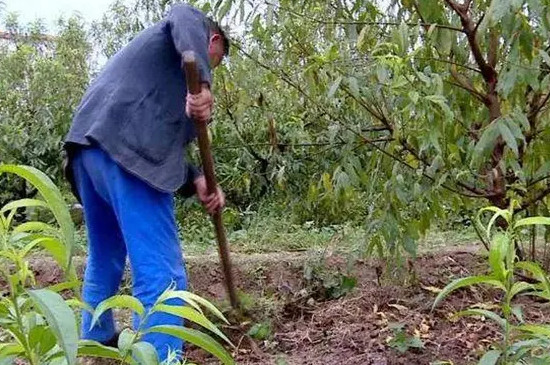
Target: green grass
<point>267,232</point>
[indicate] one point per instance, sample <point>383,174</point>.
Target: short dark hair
<point>216,29</point>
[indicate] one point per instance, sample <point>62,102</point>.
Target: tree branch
<point>470,29</point>
<point>543,194</point>
<point>350,22</point>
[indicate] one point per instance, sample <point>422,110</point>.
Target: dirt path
<point>305,325</point>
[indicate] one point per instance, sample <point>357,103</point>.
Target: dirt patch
<point>358,328</point>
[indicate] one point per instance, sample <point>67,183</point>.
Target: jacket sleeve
<point>188,189</point>
<point>190,32</point>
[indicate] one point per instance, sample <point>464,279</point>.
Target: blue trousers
<point>126,217</point>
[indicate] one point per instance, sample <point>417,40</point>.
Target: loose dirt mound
<point>305,326</point>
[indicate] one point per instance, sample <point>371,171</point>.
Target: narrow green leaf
<point>191,299</point>
<point>145,353</point>
<point>518,312</point>
<point>53,198</point>
<point>534,269</point>
<point>23,203</point>
<point>532,221</point>
<point>197,338</point>
<point>61,320</point>
<point>501,213</point>
<point>118,301</point>
<point>490,357</point>
<point>64,286</point>
<point>35,227</point>
<point>53,246</point>
<point>483,313</point>
<point>536,329</point>
<point>10,349</point>
<point>75,303</point>
<point>193,316</point>
<point>95,349</point>
<point>545,56</point>
<point>519,287</point>
<point>354,86</point>
<point>486,142</point>
<point>334,87</point>
<point>362,38</point>
<point>467,281</point>
<point>497,255</point>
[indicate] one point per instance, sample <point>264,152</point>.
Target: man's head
<point>219,44</point>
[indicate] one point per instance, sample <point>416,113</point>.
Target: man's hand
<point>199,106</point>
<point>213,202</point>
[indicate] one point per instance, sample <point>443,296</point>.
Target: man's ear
<point>214,38</point>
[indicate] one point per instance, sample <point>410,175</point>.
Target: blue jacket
<point>135,109</point>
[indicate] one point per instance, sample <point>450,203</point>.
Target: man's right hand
<point>199,106</point>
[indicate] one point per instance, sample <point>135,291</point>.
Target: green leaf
<point>362,38</point>
<point>537,272</point>
<point>497,255</point>
<point>444,41</point>
<point>197,338</point>
<point>483,313</point>
<point>125,340</point>
<point>260,331</point>
<point>53,198</point>
<point>35,227</point>
<point>41,339</point>
<point>353,86</point>
<point>224,9</point>
<point>519,287</point>
<point>500,213</point>
<point>498,9</point>
<point>145,353</point>
<point>10,349</point>
<point>118,301</point>
<point>95,349</point>
<point>490,357</point>
<point>334,87</point>
<point>64,286</point>
<point>192,315</point>
<point>508,136</point>
<point>53,246</point>
<point>486,142</point>
<point>61,320</point>
<point>532,221</point>
<point>23,203</point>
<point>75,303</point>
<point>468,281</point>
<point>518,312</point>
<point>192,300</point>
<point>536,329</point>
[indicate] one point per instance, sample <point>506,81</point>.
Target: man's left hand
<point>211,202</point>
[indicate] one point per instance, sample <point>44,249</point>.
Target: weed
<point>401,341</point>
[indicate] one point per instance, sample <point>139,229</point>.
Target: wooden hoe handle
<point>194,87</point>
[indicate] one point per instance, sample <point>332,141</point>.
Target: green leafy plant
<point>130,344</point>
<point>39,321</point>
<point>261,331</point>
<point>521,342</point>
<point>401,341</point>
<point>325,284</point>
<point>39,325</point>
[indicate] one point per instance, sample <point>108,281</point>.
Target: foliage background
<point>389,116</point>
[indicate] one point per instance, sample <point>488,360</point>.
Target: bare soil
<point>307,327</point>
